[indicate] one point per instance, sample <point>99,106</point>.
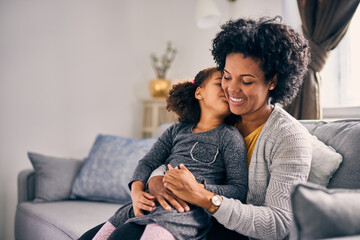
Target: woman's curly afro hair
<point>281,50</point>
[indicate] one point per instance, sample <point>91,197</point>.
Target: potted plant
<point>160,86</point>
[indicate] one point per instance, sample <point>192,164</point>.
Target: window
<point>340,77</point>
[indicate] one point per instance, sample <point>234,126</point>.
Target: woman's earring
<point>271,88</point>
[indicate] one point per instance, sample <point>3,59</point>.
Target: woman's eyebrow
<point>247,75</point>
<point>242,75</point>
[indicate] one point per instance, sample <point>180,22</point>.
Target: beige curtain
<point>324,24</point>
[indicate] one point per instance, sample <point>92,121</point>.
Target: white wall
<point>71,69</point>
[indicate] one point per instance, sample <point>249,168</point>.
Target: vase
<point>159,88</point>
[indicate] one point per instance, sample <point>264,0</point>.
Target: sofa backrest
<point>344,137</point>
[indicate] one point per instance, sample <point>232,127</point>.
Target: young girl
<point>212,150</point>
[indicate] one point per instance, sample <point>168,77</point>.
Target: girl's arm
<point>154,160</point>
<point>141,200</point>
<point>155,157</point>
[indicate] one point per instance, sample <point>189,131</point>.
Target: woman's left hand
<point>182,183</point>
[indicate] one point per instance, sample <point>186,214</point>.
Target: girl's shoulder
<point>180,126</point>
<point>229,128</point>
<point>230,131</point>
<point>169,131</point>
<point>231,139</point>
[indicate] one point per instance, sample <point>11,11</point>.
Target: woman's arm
<point>283,159</point>
<point>182,183</point>
<point>164,196</point>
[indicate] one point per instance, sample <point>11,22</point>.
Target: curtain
<point>324,24</point>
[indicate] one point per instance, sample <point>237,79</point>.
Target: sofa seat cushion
<point>60,220</point>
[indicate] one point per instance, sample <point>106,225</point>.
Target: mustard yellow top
<point>250,141</point>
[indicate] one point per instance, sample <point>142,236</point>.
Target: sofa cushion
<point>344,137</point>
<point>325,162</point>
<point>325,213</point>
<point>60,220</point>
<point>54,176</point>
<point>106,172</point>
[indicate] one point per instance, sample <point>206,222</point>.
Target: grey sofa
<point>68,219</point>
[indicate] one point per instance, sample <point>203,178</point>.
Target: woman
<point>263,63</point>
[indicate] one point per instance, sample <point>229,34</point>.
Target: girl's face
<point>212,98</point>
<point>244,85</point>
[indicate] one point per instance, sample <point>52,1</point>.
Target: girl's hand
<point>183,184</point>
<point>141,200</point>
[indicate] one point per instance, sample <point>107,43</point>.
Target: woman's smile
<point>236,100</point>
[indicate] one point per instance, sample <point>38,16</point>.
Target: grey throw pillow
<point>54,176</point>
<point>325,213</point>
<point>107,170</point>
<point>325,162</point>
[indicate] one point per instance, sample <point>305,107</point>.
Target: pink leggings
<point>154,231</point>
<point>105,231</point>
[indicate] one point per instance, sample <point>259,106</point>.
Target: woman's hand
<point>141,200</point>
<point>165,196</point>
<point>183,184</point>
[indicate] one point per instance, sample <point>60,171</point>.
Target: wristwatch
<point>216,201</point>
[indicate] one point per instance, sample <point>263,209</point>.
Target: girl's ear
<point>198,93</point>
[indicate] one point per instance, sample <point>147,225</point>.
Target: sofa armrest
<point>26,185</point>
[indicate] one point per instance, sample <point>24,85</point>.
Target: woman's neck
<point>250,122</point>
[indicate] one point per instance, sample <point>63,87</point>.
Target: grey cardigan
<point>281,158</point>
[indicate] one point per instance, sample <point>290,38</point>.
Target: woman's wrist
<point>202,198</point>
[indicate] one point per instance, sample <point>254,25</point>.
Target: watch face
<point>216,200</point>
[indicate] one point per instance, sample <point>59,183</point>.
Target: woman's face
<point>244,85</point>
<point>211,96</point>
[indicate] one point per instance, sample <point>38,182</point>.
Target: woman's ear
<point>198,93</point>
<point>273,83</point>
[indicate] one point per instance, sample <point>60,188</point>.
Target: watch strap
<point>213,208</point>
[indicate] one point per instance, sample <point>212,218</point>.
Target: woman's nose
<point>234,87</point>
